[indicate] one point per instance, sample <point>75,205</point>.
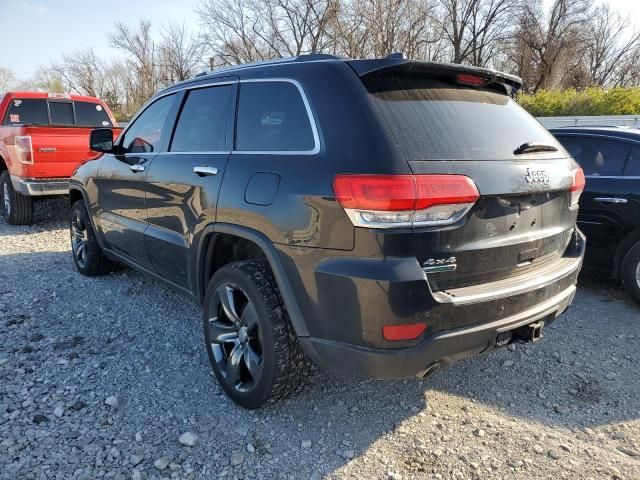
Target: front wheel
<point>252,347</point>
<point>17,209</point>
<point>631,272</point>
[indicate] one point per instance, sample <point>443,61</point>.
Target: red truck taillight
<point>24,148</point>
<point>390,201</point>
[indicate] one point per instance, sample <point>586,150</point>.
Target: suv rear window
<point>27,111</point>
<point>435,120</point>
<point>36,111</point>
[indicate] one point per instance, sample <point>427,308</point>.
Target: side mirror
<point>101,140</point>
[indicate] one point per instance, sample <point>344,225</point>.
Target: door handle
<point>137,168</point>
<point>610,200</point>
<point>204,170</point>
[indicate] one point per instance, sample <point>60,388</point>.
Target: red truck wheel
<point>17,209</point>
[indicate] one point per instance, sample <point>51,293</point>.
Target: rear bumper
<point>461,322</point>
<point>443,348</point>
<point>32,187</point>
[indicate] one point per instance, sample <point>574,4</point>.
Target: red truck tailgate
<point>57,151</point>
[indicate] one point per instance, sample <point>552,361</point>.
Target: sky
<point>38,32</point>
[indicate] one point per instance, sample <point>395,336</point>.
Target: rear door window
<point>432,119</point>
<point>633,163</point>
<point>202,126</point>
<point>27,111</point>
<point>272,117</point>
<point>91,115</point>
<point>61,113</point>
<point>597,156</point>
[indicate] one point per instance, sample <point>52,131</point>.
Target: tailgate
<point>57,151</point>
<point>515,227</point>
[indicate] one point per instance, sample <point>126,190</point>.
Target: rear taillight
<point>24,149</point>
<point>577,186</point>
<point>390,201</point>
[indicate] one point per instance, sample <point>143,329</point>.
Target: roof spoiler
<point>363,68</point>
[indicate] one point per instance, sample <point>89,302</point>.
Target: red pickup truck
<point>43,138</point>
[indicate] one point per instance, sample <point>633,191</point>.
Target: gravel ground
<point>108,378</point>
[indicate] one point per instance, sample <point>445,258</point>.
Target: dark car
<point>610,205</point>
<point>380,217</point>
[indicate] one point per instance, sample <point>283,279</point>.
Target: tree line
<point>570,44</point>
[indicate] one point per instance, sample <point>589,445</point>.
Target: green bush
<point>590,101</point>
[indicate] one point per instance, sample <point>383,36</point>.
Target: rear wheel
<point>17,209</point>
<point>631,272</point>
<point>252,347</point>
<point>87,254</point>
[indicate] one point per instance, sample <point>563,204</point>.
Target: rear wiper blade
<point>534,147</point>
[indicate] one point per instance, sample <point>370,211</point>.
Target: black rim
<point>79,239</point>
<point>234,338</point>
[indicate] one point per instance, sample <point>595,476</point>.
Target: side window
<point>27,111</point>
<point>597,156</point>
<point>272,117</point>
<point>202,125</point>
<point>145,133</point>
<point>633,163</point>
<point>61,113</point>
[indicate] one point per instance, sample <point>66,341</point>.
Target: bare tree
<point>138,43</point>
<point>475,28</point>
<point>238,31</point>
<point>552,41</point>
<point>180,53</point>
<point>81,72</point>
<point>610,46</point>
<point>7,79</point>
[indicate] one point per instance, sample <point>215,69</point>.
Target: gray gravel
<point>108,378</point>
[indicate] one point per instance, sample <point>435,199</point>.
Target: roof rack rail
<point>398,55</point>
<point>310,57</point>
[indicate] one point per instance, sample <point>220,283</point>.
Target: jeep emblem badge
<point>537,176</point>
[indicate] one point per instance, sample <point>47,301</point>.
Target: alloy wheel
<point>235,339</point>
<point>6,199</point>
<point>638,274</point>
<point>79,239</point>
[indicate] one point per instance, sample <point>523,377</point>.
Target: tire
<point>631,272</point>
<point>17,209</point>
<point>87,253</point>
<point>251,344</point>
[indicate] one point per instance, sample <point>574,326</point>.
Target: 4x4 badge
<point>439,265</point>
<point>537,176</point>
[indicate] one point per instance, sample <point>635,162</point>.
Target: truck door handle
<point>610,200</point>
<point>204,170</point>
<point>136,168</point>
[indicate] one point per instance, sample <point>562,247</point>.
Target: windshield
<point>435,120</point>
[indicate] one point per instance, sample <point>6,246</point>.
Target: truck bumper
<point>32,187</point>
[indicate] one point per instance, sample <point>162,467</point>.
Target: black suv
<point>381,217</point>
<point>610,206</point>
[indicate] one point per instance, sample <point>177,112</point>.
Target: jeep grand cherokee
<point>381,217</point>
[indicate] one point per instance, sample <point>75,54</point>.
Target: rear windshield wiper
<point>530,147</point>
